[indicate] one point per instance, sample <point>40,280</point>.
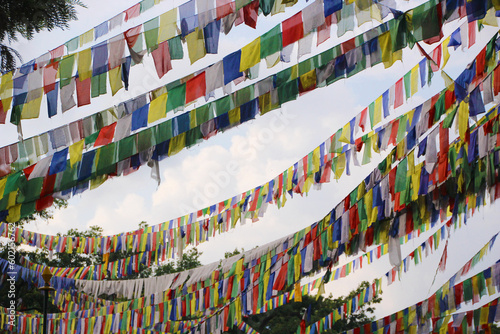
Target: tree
<point>233,253</point>
<point>286,319</point>
<point>28,17</point>
<point>45,215</point>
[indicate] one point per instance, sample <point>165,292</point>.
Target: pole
<point>45,303</point>
<point>46,275</point>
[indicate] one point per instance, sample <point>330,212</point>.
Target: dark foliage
<point>27,17</point>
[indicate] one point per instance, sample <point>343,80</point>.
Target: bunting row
<point>374,112</point>
<point>433,315</point>
<point>108,59</point>
<point>295,266</point>
<point>182,93</point>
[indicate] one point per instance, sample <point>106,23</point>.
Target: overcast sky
<point>255,152</point>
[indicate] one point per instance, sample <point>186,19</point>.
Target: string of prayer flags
<point>336,165</point>
<point>142,117</point>
<point>99,86</point>
<point>476,280</point>
<point>399,166</point>
<point>198,38</point>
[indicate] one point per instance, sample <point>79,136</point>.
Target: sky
<point>253,153</point>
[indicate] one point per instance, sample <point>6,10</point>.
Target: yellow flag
<point>157,108</point>
<point>308,79</point>
<point>115,79</point>
<point>196,45</point>
<point>289,179</point>
<point>234,116</point>
<point>295,72</point>
<point>297,261</point>
<point>98,181</point>
<point>237,304</point>
<point>463,119</point>
<point>250,55</point>
<point>12,199</point>
<point>345,137</point>
<point>340,166</point>
<point>6,87</point>
<point>446,53</point>
<point>386,48</point>
<point>192,119</point>
<point>75,152</point>
<point>2,186</point>
<point>84,64</point>
<point>297,293</point>
<point>377,111</point>
<point>14,214</point>
<point>239,269</point>
<point>87,37</point>
<point>31,109</point>
<point>414,80</point>
<point>490,18</point>
<point>321,290</point>
<point>177,144</point>
<point>483,317</point>
<point>315,159</point>
<point>361,191</point>
<point>168,25</point>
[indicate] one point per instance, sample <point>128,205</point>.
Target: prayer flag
<point>161,57</point>
<point>195,87</point>
<point>83,92</point>
<point>132,12</point>
<point>58,163</point>
<point>231,65</point>
<point>196,45</point>
<point>84,64</point>
<point>168,25</point>
<point>293,29</point>
<point>250,55</point>
<point>105,135</point>
<point>158,108</point>
<point>115,80</point>
<point>75,152</point>
<point>140,117</point>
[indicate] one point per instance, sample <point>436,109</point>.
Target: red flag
<point>83,92</point>
<point>480,63</point>
<point>472,33</point>
<point>444,257</point>
<point>302,326</point>
<point>3,114</point>
<point>496,80</point>
<point>362,119</point>
<point>105,135</point>
<point>436,59</point>
<point>394,132</point>
<point>195,87</point>
<point>132,35</point>
<point>398,98</point>
<point>293,29</point>
<point>49,77</point>
<point>44,203</point>
<point>251,12</point>
<point>161,57</point>
<point>224,8</point>
<point>57,52</point>
<point>132,12</point>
